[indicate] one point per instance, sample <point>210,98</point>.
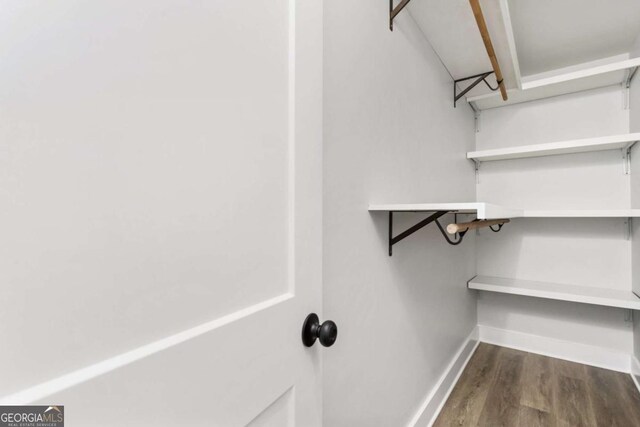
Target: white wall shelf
<point>491,211</point>
<point>583,213</point>
<point>580,294</point>
<point>614,142</point>
<point>560,84</point>
<point>482,210</point>
<point>437,210</point>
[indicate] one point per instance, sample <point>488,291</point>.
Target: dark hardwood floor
<point>506,387</point>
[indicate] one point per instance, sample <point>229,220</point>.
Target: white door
<point>160,210</point>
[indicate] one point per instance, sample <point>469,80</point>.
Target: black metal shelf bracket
<point>482,77</point>
<point>394,11</point>
<point>408,232</point>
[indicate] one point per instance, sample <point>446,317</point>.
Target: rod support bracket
<point>479,78</point>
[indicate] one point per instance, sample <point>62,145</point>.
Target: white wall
<point>634,101</point>
<point>391,135</point>
<point>577,181</point>
<point>634,126</point>
<point>589,114</point>
<point>588,252</point>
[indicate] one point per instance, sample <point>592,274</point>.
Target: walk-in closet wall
<point>588,252</point>
<point>634,113</point>
<point>576,181</point>
<point>391,135</point>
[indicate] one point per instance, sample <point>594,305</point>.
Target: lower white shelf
<point>581,294</point>
<point>583,213</point>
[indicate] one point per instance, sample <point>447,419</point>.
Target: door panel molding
<point>51,387</point>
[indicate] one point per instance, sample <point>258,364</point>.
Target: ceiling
<point>529,36</point>
<point>551,34</point>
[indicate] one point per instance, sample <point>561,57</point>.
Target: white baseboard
<point>635,371</point>
<point>575,352</point>
<point>435,400</point>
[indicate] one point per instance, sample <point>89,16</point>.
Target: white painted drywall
<point>588,114</point>
<point>582,251</point>
<point>577,181</point>
<point>634,125</point>
<point>391,135</point>
<point>592,325</point>
<point>634,103</point>
<point>589,252</point>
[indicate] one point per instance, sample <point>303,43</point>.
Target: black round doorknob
<point>312,330</point>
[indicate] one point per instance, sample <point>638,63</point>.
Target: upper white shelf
<point>560,84</point>
<point>482,210</point>
<point>581,294</point>
<point>556,148</point>
<point>491,211</point>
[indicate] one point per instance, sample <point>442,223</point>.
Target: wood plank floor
<point>505,387</point>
